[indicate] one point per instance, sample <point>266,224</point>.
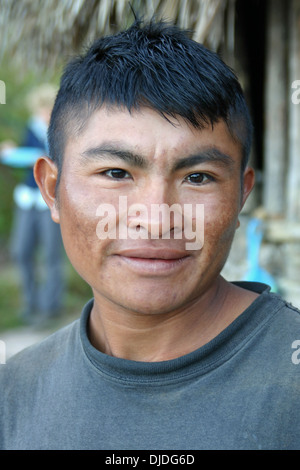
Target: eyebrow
<point>207,155</point>
<point>114,151</point>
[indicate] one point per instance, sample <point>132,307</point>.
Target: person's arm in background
<point>18,157</point>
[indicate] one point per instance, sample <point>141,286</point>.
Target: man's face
<point>144,159</point>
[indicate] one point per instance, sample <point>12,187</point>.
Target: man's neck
<point>161,337</point>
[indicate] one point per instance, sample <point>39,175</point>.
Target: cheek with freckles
<point>219,229</point>
<point>78,222</point>
<point>79,241</point>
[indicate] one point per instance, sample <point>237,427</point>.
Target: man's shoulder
<point>41,356</point>
<point>288,320</point>
<point>285,308</point>
<point>270,302</point>
<point>280,340</point>
<point>274,306</point>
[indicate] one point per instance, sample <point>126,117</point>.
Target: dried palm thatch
<point>40,33</point>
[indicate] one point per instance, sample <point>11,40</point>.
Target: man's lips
<point>153,261</point>
<point>154,254</point>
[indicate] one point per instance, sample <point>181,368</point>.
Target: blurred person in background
<point>34,234</point>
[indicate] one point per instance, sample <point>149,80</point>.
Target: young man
<point>167,354</point>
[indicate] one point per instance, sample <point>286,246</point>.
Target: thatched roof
<point>41,33</point>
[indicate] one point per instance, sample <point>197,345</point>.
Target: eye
<point>199,178</point>
<point>116,173</point>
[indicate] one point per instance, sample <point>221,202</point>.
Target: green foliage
<point>10,300</point>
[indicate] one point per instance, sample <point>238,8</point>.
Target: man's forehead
<point>116,128</point>
<point>119,118</point>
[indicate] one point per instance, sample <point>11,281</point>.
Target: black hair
<point>152,64</point>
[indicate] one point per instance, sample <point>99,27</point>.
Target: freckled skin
<point>115,285</point>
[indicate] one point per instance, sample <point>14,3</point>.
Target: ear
<point>248,183</point>
<point>45,173</point>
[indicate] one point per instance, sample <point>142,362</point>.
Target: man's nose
<point>156,213</point>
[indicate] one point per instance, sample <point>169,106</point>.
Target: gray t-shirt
<point>239,391</point>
